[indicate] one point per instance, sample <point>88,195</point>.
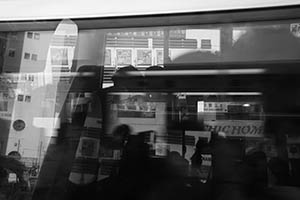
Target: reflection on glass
<point>64,136</point>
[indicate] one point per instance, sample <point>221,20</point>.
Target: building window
<point>29,34</point>
<point>20,97</point>
<point>27,56</point>
<point>3,106</point>
<point>144,57</point>
<point>124,56</point>
<point>206,44</point>
<point>28,98</point>
<point>34,57</point>
<point>11,52</point>
<point>30,78</point>
<point>36,36</point>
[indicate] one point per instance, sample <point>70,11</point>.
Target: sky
<point>57,9</point>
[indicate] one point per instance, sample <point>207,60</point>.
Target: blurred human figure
<point>121,134</point>
<point>196,158</point>
<point>154,68</point>
<point>123,79</point>
<point>228,168</point>
<point>255,175</point>
<point>178,164</point>
<point>133,178</point>
<point>135,154</point>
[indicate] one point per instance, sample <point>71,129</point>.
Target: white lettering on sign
<point>248,128</point>
<point>206,159</point>
<point>12,178</point>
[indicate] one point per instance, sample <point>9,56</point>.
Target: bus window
<point>194,105</point>
<point>231,43</point>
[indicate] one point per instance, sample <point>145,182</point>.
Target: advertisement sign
<point>136,107</point>
<point>144,57</point>
<point>177,33</point>
<point>237,128</point>
<point>124,56</point>
<point>136,111</point>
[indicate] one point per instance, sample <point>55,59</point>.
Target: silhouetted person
<point>228,168</point>
<point>121,134</point>
<point>135,154</point>
<point>178,164</point>
<point>196,158</point>
<point>255,175</point>
<point>127,77</point>
<point>154,68</point>
<point>132,180</point>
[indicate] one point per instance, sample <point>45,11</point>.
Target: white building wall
<point>28,140</point>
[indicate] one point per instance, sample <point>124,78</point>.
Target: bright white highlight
<point>59,9</point>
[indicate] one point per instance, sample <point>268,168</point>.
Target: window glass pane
<point>34,57</point>
<point>237,43</point>
<point>193,41</point>
<point>36,36</point>
<point>11,53</point>
<point>29,34</point>
<point>138,113</point>
<point>36,78</point>
<point>26,56</point>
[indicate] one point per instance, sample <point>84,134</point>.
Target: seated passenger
<point>123,79</point>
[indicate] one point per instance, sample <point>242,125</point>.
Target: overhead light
<point>199,72</point>
<point>222,93</point>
